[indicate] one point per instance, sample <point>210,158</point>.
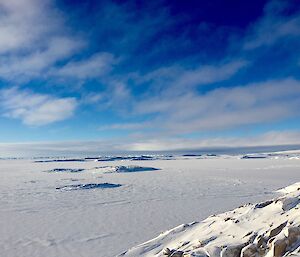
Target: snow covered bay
<point>123,209</point>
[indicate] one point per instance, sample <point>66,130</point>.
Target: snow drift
<point>270,228</point>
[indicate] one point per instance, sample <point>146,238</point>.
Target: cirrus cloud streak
<point>35,109</point>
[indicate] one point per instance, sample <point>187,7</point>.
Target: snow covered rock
<point>267,229</point>
<point>131,168</point>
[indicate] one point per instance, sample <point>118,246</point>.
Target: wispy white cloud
<point>116,96</point>
<point>273,26</point>
<point>126,126</point>
<point>274,140</point>
<point>37,62</point>
<point>35,109</point>
<point>96,66</point>
<point>210,74</point>
<point>26,22</point>
<point>181,77</point>
<point>34,39</point>
<point>224,107</point>
<point>165,83</point>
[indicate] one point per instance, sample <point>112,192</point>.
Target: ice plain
<point>39,218</point>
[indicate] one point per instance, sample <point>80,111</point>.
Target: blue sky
<point>149,75</point>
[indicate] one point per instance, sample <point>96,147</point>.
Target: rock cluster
<point>280,241</point>
<point>267,229</point>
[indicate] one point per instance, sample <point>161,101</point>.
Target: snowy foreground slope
<point>102,207</point>
<point>270,228</point>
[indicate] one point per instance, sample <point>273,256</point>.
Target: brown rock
<point>279,247</point>
<point>261,241</point>
<point>293,235</point>
<point>249,251</point>
<point>232,251</point>
<point>177,254</point>
<point>172,253</point>
<point>277,230</point>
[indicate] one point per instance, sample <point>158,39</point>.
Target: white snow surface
<point>270,228</point>
<point>38,219</point>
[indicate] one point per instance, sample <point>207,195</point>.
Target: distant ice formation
<point>121,169</point>
<point>64,170</point>
<point>88,186</point>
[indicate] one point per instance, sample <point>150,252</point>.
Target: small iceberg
<point>254,157</point>
<point>191,155</point>
<point>58,170</point>
<point>113,158</point>
<point>121,169</point>
<point>88,186</point>
<point>143,158</point>
<point>61,160</point>
<point>128,169</point>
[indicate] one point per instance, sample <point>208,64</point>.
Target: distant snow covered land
<point>110,206</point>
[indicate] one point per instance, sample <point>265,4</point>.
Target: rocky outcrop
<point>267,229</point>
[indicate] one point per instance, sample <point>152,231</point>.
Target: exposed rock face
<point>267,229</point>
<point>172,253</point>
<point>279,247</point>
<point>288,241</point>
<point>293,235</point>
<point>232,251</point>
<point>277,230</point>
<point>250,250</point>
